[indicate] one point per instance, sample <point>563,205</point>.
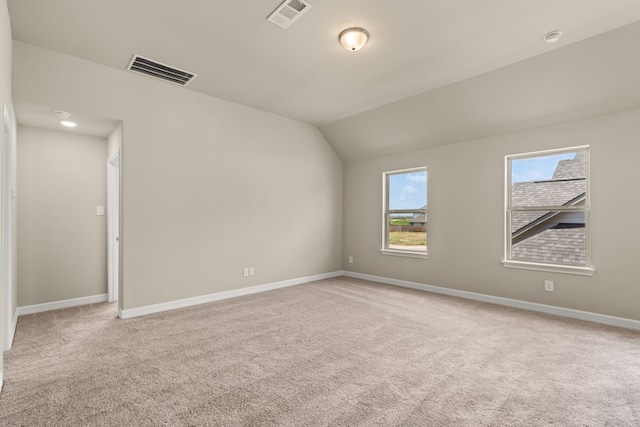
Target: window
<point>405,213</point>
<point>547,211</point>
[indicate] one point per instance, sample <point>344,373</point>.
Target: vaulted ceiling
<point>432,73</point>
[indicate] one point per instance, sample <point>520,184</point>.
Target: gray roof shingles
<point>565,246</point>
<point>544,193</point>
<point>572,168</point>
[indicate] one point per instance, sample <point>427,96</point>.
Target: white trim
<point>6,262</point>
<point>549,152</point>
<point>1,380</point>
<point>508,260</point>
<point>113,226</point>
<point>407,254</point>
<point>189,302</point>
<point>57,305</point>
<point>553,268</point>
<point>541,308</point>
<point>386,211</point>
<point>12,331</point>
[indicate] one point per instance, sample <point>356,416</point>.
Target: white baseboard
<point>12,331</point>
<point>542,308</point>
<point>188,302</point>
<point>56,305</point>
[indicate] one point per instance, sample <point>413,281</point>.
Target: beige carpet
<point>339,352</point>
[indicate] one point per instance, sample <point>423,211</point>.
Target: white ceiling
<point>41,116</point>
<point>594,77</point>
<point>417,49</point>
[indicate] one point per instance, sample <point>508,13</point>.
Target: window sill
<point>406,254</point>
<point>553,268</point>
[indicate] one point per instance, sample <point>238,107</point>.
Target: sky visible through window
<point>536,168</point>
<point>408,190</point>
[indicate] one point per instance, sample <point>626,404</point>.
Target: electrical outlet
<point>350,260</point>
<point>548,285</point>
<point>251,271</point>
<point>245,272</point>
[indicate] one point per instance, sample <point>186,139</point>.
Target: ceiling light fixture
<point>354,39</point>
<point>64,115</point>
<point>552,37</point>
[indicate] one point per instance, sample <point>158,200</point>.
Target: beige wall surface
<point>466,217</point>
<point>61,239</point>
<point>208,186</point>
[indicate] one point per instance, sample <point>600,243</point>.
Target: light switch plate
<point>100,210</point>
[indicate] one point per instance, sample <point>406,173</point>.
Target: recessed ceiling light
<point>68,124</point>
<point>552,37</point>
<point>62,114</point>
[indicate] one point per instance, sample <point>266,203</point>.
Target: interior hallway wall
<point>61,239</point>
<point>209,187</point>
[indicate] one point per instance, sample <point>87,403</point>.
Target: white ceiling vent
<point>161,71</point>
<point>288,12</point>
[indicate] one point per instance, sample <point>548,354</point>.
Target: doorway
<point>113,226</point>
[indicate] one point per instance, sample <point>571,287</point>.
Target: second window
<point>405,212</point>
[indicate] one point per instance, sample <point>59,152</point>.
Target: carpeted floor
<point>338,352</point>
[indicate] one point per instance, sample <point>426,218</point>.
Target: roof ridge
<point>561,180</point>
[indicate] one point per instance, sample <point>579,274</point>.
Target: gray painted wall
<point>208,186</point>
<point>465,228</point>
<point>61,239</point>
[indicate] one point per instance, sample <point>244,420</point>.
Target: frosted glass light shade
<point>354,39</point>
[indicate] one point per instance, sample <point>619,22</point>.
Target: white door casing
<point>113,226</point>
<point>5,246</point>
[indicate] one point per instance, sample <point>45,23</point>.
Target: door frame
<point>113,226</point>
<point>6,225</point>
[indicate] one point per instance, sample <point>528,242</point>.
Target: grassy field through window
<point>407,238</point>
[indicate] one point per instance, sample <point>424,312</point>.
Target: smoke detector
<point>552,37</point>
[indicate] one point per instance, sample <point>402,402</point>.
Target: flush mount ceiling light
<point>68,124</point>
<point>552,37</point>
<point>354,39</point>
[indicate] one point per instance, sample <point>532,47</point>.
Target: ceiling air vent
<point>155,69</point>
<point>288,12</point>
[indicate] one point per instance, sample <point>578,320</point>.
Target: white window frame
<point>386,212</point>
<point>507,260</point>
